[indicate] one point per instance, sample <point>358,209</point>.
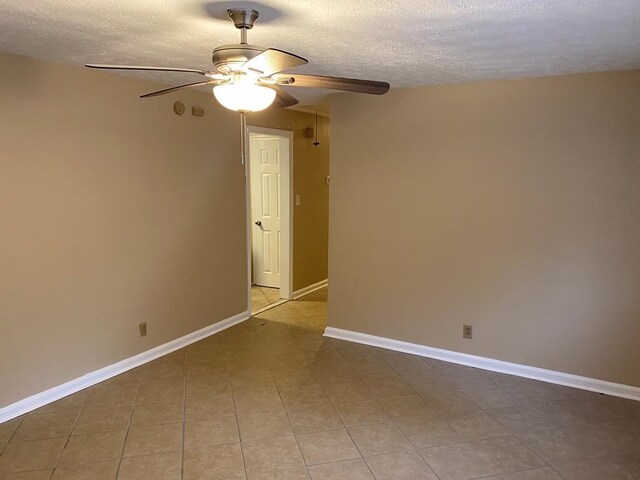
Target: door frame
<point>286,205</point>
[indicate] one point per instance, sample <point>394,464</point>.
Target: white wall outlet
<point>297,200</point>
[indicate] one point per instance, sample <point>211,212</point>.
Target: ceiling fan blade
<point>169,90</point>
<point>136,67</point>
<point>337,83</point>
<point>273,61</point>
<point>283,98</point>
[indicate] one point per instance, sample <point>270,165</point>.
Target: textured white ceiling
<point>404,42</point>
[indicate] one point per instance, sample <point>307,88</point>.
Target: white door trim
<point>286,202</point>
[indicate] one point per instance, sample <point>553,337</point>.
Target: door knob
<point>259,223</point>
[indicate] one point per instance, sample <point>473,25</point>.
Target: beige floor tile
<point>7,429</point>
<point>45,425</point>
<point>532,391</point>
<point>268,455</point>
<point>341,392</point>
<point>161,371</point>
<point>349,469</point>
<point>206,406</point>
<point>91,449</point>
<point>315,418</point>
<point>31,455</point>
<point>161,392</point>
<point>221,462</point>
<point>523,418</point>
<point>99,470</point>
<point>103,419</point>
<point>264,425</point>
<point>383,386</point>
<point>379,439</point>
<point>71,403</point>
<point>580,443</point>
<point>432,434</point>
<point>38,475</point>
<point>482,458</point>
<point>210,432</point>
<point>153,439</point>
<point>258,399</point>
<point>467,377</point>
<point>157,413</point>
<point>297,378</point>
<point>113,394</point>
<point>446,399</point>
<point>161,466</point>
<point>535,474</point>
<point>299,473</point>
<point>395,466</point>
<point>597,408</point>
<point>309,395</point>
<point>408,409</point>
<point>333,374</point>
<point>362,413</point>
<point>328,446</point>
<point>617,467</point>
<point>272,294</point>
<point>491,397</point>
<point>475,425</point>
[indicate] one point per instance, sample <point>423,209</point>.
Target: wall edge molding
<point>310,288</point>
<point>55,393</point>
<point>485,363</point>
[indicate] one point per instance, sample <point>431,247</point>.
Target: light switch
<point>297,199</point>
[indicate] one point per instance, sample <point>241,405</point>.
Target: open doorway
<point>270,216</point>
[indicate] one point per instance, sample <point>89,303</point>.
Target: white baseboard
<point>311,288</point>
<point>550,376</point>
<point>43,398</point>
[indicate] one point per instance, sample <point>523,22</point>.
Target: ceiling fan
<point>248,78</point>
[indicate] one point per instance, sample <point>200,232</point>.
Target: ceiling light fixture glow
<point>243,94</point>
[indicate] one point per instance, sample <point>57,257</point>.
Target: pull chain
<point>243,137</point>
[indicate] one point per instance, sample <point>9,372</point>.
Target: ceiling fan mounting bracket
<point>243,18</point>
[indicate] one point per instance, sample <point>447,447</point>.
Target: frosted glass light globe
<point>244,95</point>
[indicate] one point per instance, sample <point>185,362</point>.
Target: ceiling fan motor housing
<point>229,58</point>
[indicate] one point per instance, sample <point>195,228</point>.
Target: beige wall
<point>512,206</point>
<point>113,211</point>
<point>310,169</point>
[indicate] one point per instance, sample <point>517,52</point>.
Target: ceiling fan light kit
<point>244,94</point>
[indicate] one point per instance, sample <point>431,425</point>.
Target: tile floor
<point>263,296</point>
<point>271,399</point>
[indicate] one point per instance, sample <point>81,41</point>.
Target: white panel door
<point>265,155</point>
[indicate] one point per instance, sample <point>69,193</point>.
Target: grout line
<point>84,405</point>
<point>126,436</point>
<point>345,427</point>
<point>286,412</point>
<point>235,409</point>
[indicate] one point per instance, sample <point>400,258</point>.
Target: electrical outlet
<point>142,328</point>
<point>467,331</point>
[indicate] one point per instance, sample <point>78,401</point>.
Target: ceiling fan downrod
<point>243,19</point>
